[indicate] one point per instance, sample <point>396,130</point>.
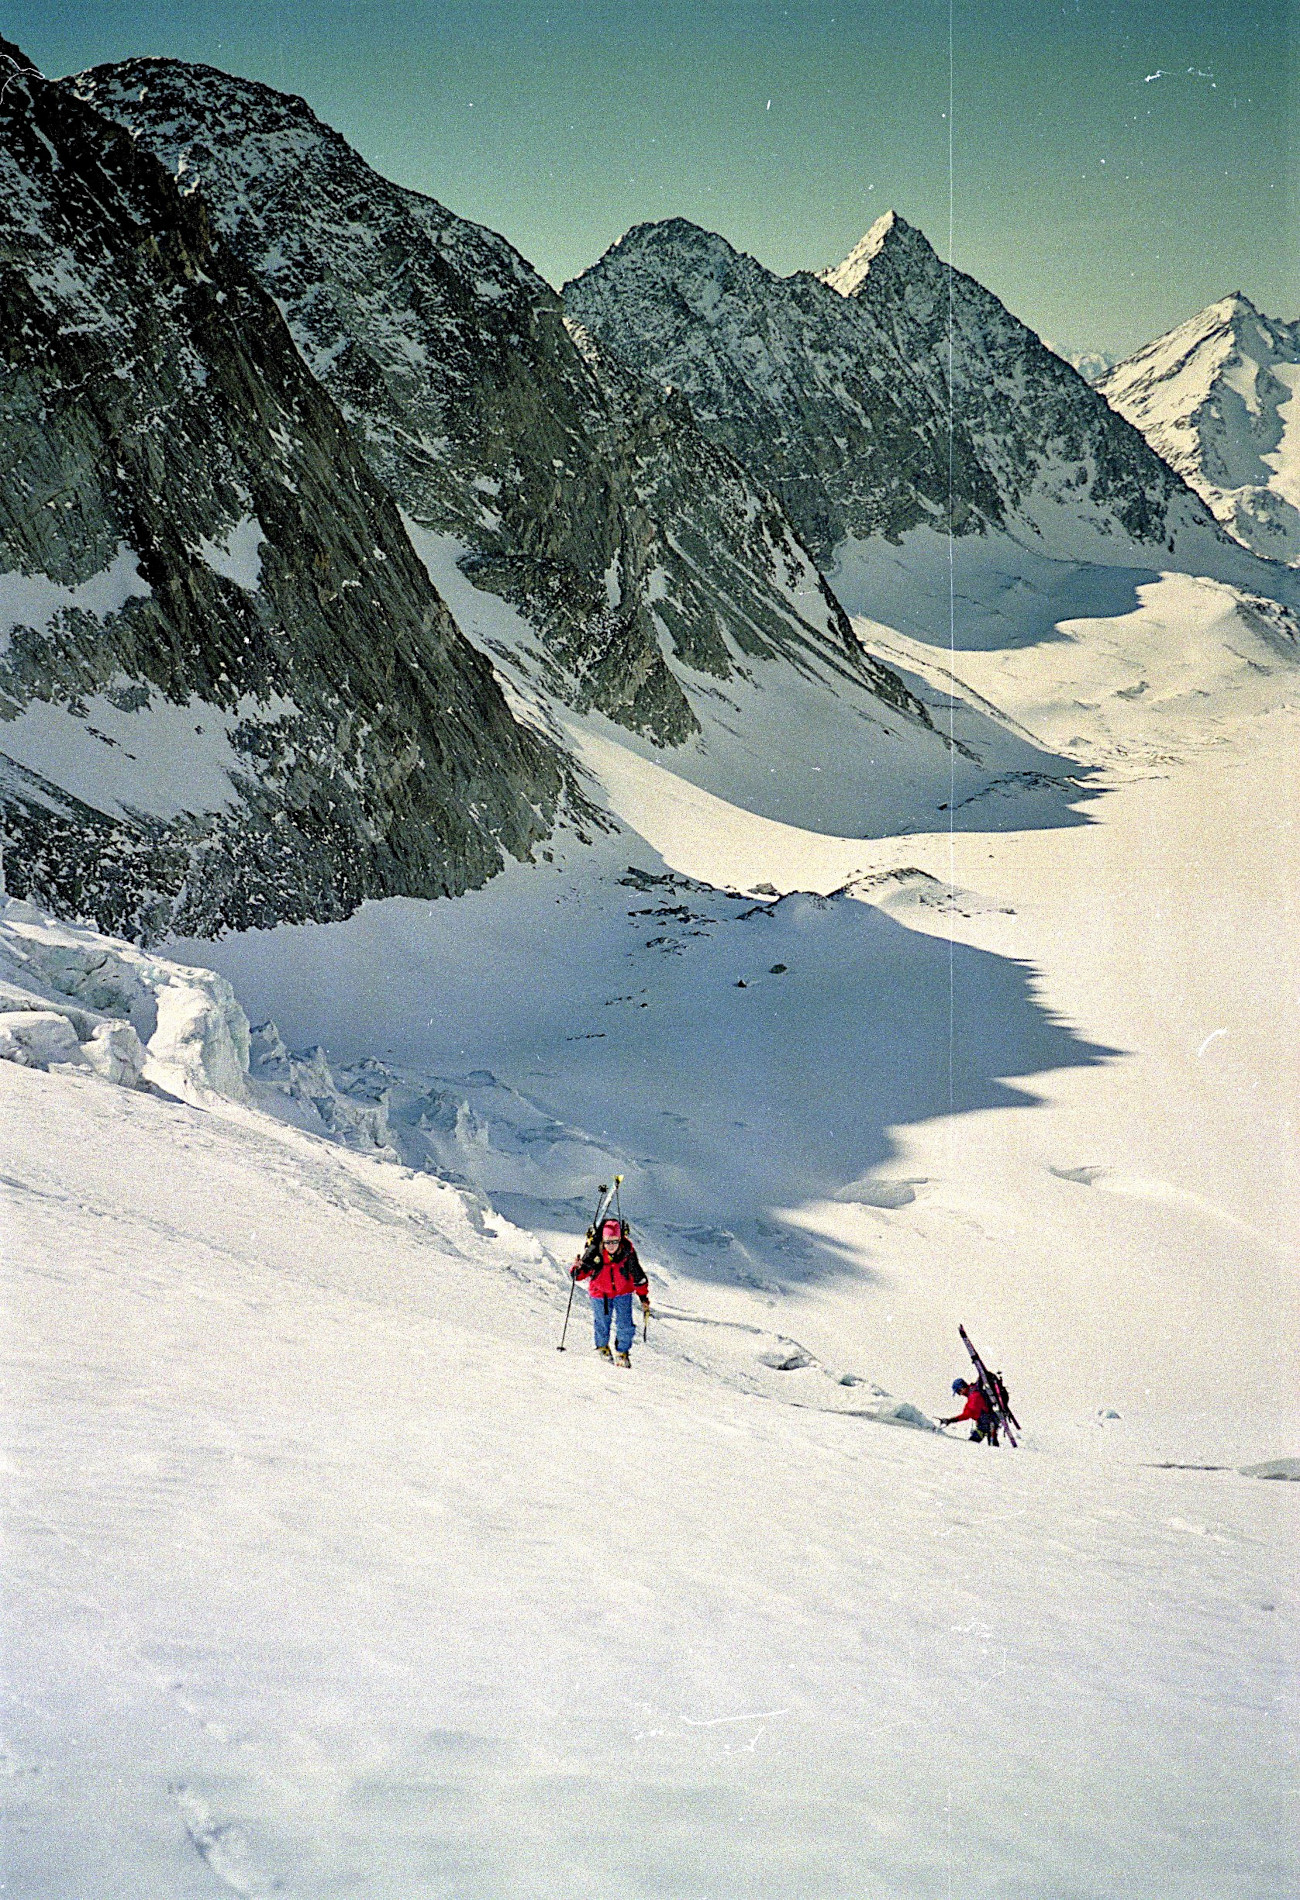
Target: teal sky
<point>1116,164</point>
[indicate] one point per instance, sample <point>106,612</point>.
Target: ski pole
<point>573,1284</point>
<point>573,1287</point>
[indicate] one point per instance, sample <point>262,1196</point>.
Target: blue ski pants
<point>619,1309</point>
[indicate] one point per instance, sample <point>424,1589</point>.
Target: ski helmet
<point>959,1385</point>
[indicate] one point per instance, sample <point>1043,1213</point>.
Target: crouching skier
<point>616,1275</point>
<point>984,1426</point>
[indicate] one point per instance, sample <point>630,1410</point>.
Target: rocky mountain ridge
<point>888,393</point>
<point>230,695</point>
<point>570,487</point>
<point>1218,397</point>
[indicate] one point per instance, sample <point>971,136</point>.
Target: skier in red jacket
<point>616,1276</point>
<point>978,1410</point>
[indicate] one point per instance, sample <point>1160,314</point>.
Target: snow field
<point>331,1576</point>
<point>1039,1078</point>
<point>1155,1178</point>
<point>339,1578</point>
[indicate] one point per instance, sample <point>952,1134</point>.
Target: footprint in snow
<point>222,1845</point>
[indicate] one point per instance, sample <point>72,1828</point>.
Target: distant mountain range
<point>567,485</point>
<point>1219,399</point>
<point>265,412</point>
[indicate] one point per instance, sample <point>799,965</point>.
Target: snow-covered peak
<point>889,230</point>
<point>668,234</point>
<point>581,496</point>
<point>1217,397</point>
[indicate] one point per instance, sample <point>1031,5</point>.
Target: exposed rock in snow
<point>230,692</point>
<point>1219,398</point>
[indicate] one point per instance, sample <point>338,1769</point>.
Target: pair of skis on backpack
<point>993,1388</point>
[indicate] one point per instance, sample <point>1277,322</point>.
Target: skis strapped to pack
<point>993,1386</point>
<point>603,1205</point>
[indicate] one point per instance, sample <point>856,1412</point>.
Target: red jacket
<point>976,1405</point>
<point>611,1273</point>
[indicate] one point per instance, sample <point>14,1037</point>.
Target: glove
<point>645,1301</point>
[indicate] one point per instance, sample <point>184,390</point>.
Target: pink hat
<point>612,1230</point>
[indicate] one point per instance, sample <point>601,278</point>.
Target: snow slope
<point>331,1576</point>
<point>811,741</point>
<point>1219,398</point>
<point>328,1574</point>
<point>1003,1038</point>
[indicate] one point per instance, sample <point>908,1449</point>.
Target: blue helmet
<point>959,1385</point>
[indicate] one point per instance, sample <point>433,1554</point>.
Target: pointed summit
<point>889,236</point>
<point>1214,397</point>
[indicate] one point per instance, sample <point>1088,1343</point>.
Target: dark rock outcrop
<point>189,532</point>
<point>566,485</point>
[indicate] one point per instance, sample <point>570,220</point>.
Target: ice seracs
<point>1219,398</point>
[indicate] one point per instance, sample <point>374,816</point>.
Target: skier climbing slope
<point>616,1275</point>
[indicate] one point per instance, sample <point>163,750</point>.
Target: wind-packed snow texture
<point>945,970</point>
<point>336,1577</point>
<point>1219,399</point>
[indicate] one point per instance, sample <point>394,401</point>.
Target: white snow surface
<point>160,756</point>
<point>1219,398</point>
<point>37,601</point>
<point>846,276</point>
<point>238,557</point>
<point>329,1575</point>
<point>335,1577</point>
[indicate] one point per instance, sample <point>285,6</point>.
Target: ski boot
<point>622,1359</point>
<point>603,1352</point>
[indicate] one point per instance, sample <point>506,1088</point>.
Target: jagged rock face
<point>800,385</point>
<point>729,567</point>
<point>594,509</point>
<point>840,390</point>
<point>1216,399</point>
<point>230,695</point>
